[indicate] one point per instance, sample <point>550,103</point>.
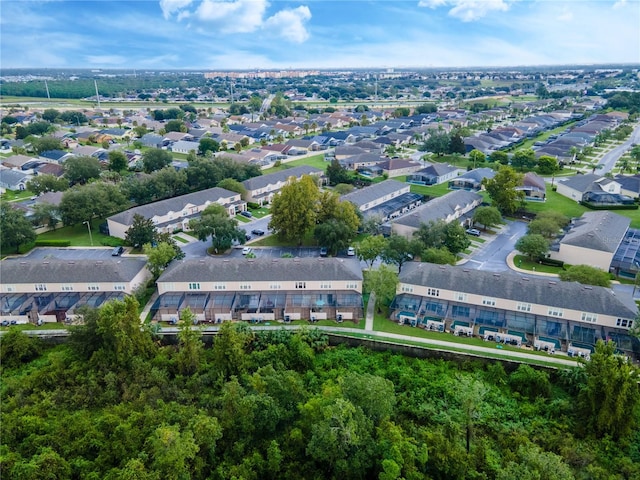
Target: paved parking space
<point>98,253</point>
<point>277,252</point>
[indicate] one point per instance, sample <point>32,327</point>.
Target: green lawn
<point>313,161</point>
<point>523,262</point>
<point>78,235</point>
<point>16,195</point>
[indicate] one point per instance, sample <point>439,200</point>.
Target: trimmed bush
<point>53,243</point>
<point>111,242</point>
<point>550,261</point>
<point>26,247</point>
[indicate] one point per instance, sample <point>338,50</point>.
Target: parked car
<point>323,252</point>
<point>247,250</point>
<point>117,251</point>
<point>247,237</point>
<point>246,214</point>
<point>257,231</point>
<point>351,251</point>
<point>473,231</point>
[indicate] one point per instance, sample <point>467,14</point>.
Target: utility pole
<point>95,83</point>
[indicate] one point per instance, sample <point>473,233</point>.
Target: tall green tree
<point>94,200</point>
<point>476,156</point>
<point>502,190</point>
<point>487,216</point>
<point>456,240</point>
<point>45,214</point>
<point>158,257</point>
<point>117,161</point>
<point>155,159</point>
<point>586,274</point>
<point>79,170</point>
<point>397,251</point>
<point>190,345</point>
<point>207,144</point>
<point>334,234</point>
<point>383,281</point>
<point>293,211</point>
<point>141,231</point>
<point>43,144</point>
<point>233,185</point>
<point>611,393</point>
<point>215,222</point>
<point>546,227</point>
<point>499,157</point>
<point>533,245</point>
<point>337,174</point>
<point>437,142</point>
<point>547,165</point>
<point>370,248</point>
<point>228,353</point>
<point>15,229</point>
<point>524,159</point>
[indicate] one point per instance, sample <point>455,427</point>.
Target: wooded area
<point>115,403</point>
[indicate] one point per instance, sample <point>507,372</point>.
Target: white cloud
<point>240,16</point>
<point>620,4</point>
<point>290,24</point>
<point>170,6</point>
<point>566,15</point>
<point>468,10</point>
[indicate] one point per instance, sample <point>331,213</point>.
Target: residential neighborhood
<point>403,170</point>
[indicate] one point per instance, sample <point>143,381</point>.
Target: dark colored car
<point>117,251</point>
<point>323,252</point>
<point>246,214</point>
<point>258,232</point>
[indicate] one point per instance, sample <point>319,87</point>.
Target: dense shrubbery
<point>114,403</point>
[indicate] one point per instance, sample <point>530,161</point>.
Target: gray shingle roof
<point>601,230</point>
<point>263,181</point>
<point>438,208</point>
<point>583,183</point>
<point>373,192</point>
<point>12,177</point>
<point>262,270</point>
<point>116,270</point>
<point>437,169</point>
<point>175,204</point>
<point>555,293</point>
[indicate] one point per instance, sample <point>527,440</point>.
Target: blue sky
<point>249,34</point>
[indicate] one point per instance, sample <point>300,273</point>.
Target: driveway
<point>492,255</point>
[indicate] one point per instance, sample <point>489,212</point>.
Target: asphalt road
<point>70,253</point>
<point>610,158</point>
<point>492,255</point>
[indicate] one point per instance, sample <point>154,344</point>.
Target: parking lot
<point>277,252</point>
<point>43,253</point>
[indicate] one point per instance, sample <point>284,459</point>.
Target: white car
<point>247,250</point>
<point>351,251</point>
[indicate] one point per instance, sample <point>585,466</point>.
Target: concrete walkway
<point>147,308</point>
<point>368,324</point>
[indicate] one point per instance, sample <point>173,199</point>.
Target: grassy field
<point>313,161</point>
<point>16,195</point>
<point>78,235</point>
<point>523,262</point>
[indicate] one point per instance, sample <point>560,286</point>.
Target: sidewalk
<point>147,308</point>
<point>368,324</point>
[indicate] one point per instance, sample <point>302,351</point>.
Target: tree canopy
<point>293,210</point>
<point>216,223</point>
<point>15,229</point>
<point>587,275</point>
<point>502,190</point>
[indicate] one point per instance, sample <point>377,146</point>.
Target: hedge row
<point>53,243</point>
<point>609,207</point>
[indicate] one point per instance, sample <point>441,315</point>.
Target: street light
<point>88,224</point>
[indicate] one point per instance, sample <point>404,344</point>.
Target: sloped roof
<point>175,204</point>
<point>23,270</point>
<point>601,230</point>
<point>374,192</point>
<point>438,208</point>
<point>583,183</point>
<point>519,288</point>
<point>262,181</point>
<point>262,270</point>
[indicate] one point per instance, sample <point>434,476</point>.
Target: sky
<point>308,34</point>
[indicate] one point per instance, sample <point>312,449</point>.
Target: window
<point>555,312</point>
<point>9,288</point>
<point>406,288</point>
<point>93,288</point>
<point>194,286</point>
<point>301,284</point>
<point>458,311</point>
<point>119,288</point>
<point>621,322</point>
<point>325,285</point>
<point>589,317</point>
<point>460,297</point>
<point>67,288</point>
<point>245,286</point>
<point>275,286</point>
<point>352,286</point>
<point>433,292</point>
<point>219,286</point>
<point>491,302</point>
<point>40,287</point>
<point>524,307</point>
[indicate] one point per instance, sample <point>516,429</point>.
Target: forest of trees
<point>116,403</point>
